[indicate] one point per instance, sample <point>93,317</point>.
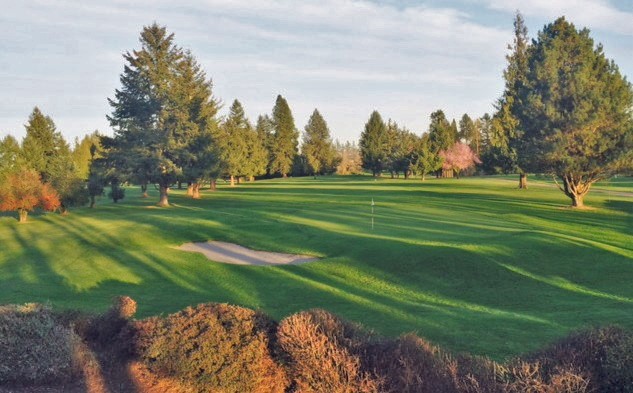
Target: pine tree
<point>505,134</point>
<point>234,146</point>
<point>317,147</point>
<point>425,159</point>
<point>43,147</point>
<point>45,150</point>
<point>374,144</point>
<point>574,111</point>
<point>163,115</point>
<point>284,146</point>
<point>266,133</point>
<point>11,157</point>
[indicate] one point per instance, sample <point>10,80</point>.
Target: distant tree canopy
<point>574,111</point>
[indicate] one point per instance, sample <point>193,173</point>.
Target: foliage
<point>374,144</point>
<point>234,138</point>
<point>504,137</point>
<point>23,191</point>
<point>215,347</point>
<point>163,115</point>
<point>283,148</point>
<point>402,144</point>
<point>574,111</point>
<point>44,148</point>
<point>36,347</point>
<point>441,133</point>
<point>116,191</point>
<point>325,354</point>
<point>265,129</point>
<point>458,158</point>
<point>317,146</point>
<point>425,160</point>
<point>10,155</point>
<point>349,159</point>
<point>84,152</point>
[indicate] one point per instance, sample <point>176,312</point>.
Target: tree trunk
<point>164,196</point>
<point>144,190</point>
<point>190,187</point>
<point>195,190</point>
<point>214,184</point>
<point>575,187</point>
<point>523,181</point>
<point>232,181</point>
<point>423,176</point>
<point>22,215</point>
<point>251,178</point>
<point>577,200</point>
<point>92,201</point>
<point>63,210</point>
<point>179,185</point>
<point>285,175</point>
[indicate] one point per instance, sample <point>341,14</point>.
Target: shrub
<point>36,347</point>
<point>410,364</point>
<point>215,347</point>
<point>603,356</point>
<point>325,354</point>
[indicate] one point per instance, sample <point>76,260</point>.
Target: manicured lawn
<point>473,264</point>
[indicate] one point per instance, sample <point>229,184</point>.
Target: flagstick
<point>372,214</point>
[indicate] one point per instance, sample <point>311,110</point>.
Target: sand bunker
<point>238,255</point>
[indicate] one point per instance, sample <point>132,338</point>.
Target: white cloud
<point>595,14</point>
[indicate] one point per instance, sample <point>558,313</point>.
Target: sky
<point>344,57</point>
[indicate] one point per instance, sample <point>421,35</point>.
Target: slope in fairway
<point>473,264</point>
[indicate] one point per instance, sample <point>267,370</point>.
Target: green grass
<point>472,264</point>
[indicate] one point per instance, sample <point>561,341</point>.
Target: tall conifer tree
<point>285,141</point>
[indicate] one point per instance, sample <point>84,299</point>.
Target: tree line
<point>565,111</point>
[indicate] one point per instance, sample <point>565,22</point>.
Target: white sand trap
<point>238,255</point>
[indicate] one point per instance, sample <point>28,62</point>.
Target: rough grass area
<point>472,264</point>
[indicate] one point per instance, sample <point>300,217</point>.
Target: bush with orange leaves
<point>23,191</point>
<point>325,354</point>
<point>214,347</point>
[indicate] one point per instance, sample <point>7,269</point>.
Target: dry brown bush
<point>214,347</point>
<point>35,346</point>
<point>325,354</point>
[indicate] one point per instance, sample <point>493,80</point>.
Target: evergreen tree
<point>163,115</point>
<point>43,147</point>
<point>402,144</point>
<point>82,153</point>
<point>441,133</point>
<point>234,146</point>
<point>317,147</point>
<point>11,158</point>
<point>265,129</point>
<point>45,150</point>
<point>425,159</point>
<point>574,111</point>
<point>257,161</point>
<point>374,144</point>
<point>470,133</point>
<point>505,133</point>
<point>284,146</point>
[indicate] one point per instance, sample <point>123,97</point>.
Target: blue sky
<point>344,57</point>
